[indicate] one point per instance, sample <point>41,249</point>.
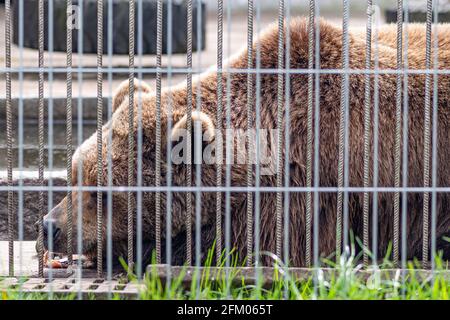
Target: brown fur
<point>330,86</point>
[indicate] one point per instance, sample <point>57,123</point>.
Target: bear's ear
<point>208,129</point>
<point>123,91</point>
<point>206,138</point>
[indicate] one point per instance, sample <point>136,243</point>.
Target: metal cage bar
<point>309,138</point>
<point>131,142</point>
<point>405,171</point>
<point>367,109</point>
<point>41,135</point>
<point>69,134</point>
<point>159,24</point>
<point>189,211</point>
<point>169,192</point>
<point>9,125</point>
<point>99,138</point>
<point>280,114</point>
<point>109,203</point>
<point>140,139</point>
<point>435,124</point>
<point>427,138</point>
<point>398,132</point>
<point>250,15</point>
<point>219,138</point>
<point>51,28</point>
<point>79,199</point>
<point>376,122</point>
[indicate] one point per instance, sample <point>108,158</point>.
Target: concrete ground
<point>25,259</point>
<point>26,262</point>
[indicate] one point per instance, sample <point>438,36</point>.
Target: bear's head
<point>114,202</point>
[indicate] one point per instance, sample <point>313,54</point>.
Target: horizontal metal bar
<point>230,70</point>
<point>225,189</point>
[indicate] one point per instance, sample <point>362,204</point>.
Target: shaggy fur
<point>330,88</point>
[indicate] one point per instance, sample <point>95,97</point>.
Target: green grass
<point>345,281</point>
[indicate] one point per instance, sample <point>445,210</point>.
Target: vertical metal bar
<point>130,196</point>
<point>109,204</point>
<point>189,136</point>
<point>398,131</point>
<point>50,132</point>
<point>21,133</point>
<point>79,139</point>
<point>343,132</point>
<point>309,135</point>
<point>168,144</point>
<point>434,156</point>
<point>159,23</point>
<point>198,153</point>
<point>405,155</point>
<point>280,101</point>
<point>229,154</point>
<point>99,137</point>
<point>346,223</point>
<point>249,127</point>
<point>228,146</point>
<point>376,98</point>
<point>287,139</point>
<point>316,144</point>
<point>41,132</point>
<point>367,105</point>
<point>219,137</point>
<point>69,132</point>
<point>9,138</point>
<point>427,139</point>
<point>139,145</point>
<point>258,273</point>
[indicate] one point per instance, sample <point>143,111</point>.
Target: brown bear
<point>330,96</point>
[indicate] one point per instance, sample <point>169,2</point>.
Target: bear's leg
<point>123,91</point>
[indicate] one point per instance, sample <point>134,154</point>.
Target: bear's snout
<point>49,226</point>
<point>52,230</point>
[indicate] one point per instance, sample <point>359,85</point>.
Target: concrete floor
<point>25,259</point>
<point>26,262</point>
